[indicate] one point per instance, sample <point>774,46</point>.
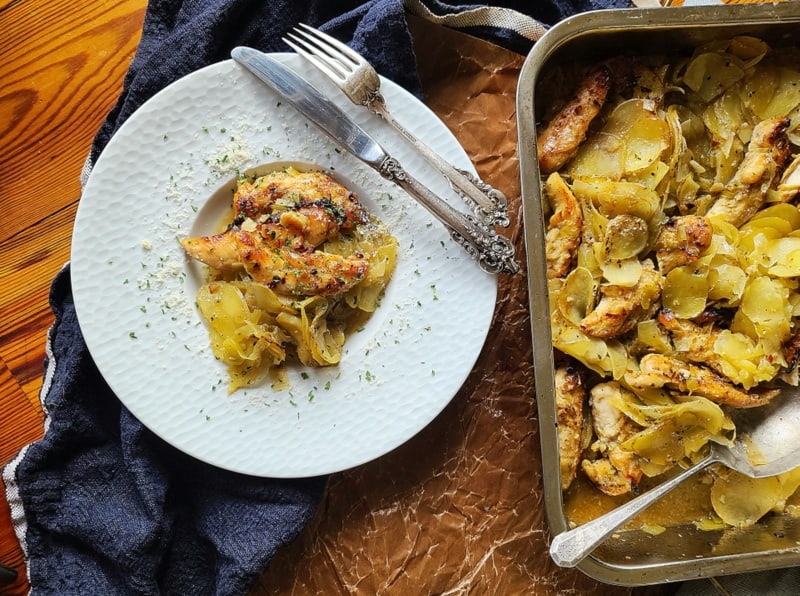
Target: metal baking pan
<point>681,552</point>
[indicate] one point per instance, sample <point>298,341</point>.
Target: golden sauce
<point>688,503</point>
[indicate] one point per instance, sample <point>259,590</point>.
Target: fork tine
<point>326,52</point>
<point>323,63</point>
<point>323,38</point>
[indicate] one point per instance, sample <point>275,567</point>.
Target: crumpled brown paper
<point>459,508</point>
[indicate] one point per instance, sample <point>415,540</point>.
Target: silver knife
<point>494,253</point>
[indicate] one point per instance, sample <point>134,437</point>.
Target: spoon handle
<point>570,548</point>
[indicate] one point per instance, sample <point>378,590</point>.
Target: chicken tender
<point>695,343</point>
<point>658,370</point>
<point>284,268</point>
<point>616,471</point>
<point>681,241</point>
<point>570,399</point>
<point>622,307</point>
<point>565,227</point>
<point>281,190</point>
<point>768,154</point>
<point>560,140</point>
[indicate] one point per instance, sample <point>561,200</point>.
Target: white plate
<point>134,288</point>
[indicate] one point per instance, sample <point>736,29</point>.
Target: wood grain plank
<point>62,70</point>
<point>28,263</point>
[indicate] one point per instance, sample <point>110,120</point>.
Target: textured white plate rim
<point>134,288</point>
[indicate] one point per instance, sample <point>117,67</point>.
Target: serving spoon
<point>769,434</point>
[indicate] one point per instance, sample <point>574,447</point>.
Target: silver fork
<point>361,84</point>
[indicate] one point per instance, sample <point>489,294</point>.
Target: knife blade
<point>494,253</point>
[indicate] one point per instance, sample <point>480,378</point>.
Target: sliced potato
<point>632,139</point>
<point>576,296</point>
<point>614,198</point>
<point>741,501</point>
<point>626,236</point>
<point>685,292</point>
<point>710,74</point>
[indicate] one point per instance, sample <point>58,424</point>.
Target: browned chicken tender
<point>570,398</point>
<point>564,229</point>
<point>283,268</point>
<point>768,154</point>
<point>281,189</point>
<point>560,140</point>
<point>622,307</point>
<point>658,370</point>
<point>682,240</point>
<point>616,471</point>
<point>280,221</point>
<point>695,342</point>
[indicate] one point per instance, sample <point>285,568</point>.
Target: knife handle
<point>494,253</point>
<point>488,203</point>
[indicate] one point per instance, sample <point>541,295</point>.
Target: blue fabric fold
<point>101,504</point>
<point>112,509</point>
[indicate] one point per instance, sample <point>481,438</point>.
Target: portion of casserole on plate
<point>300,265</point>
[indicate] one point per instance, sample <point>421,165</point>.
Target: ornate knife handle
<point>494,253</point>
<point>489,204</point>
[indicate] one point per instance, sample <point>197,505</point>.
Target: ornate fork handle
<point>494,253</point>
<point>489,204</point>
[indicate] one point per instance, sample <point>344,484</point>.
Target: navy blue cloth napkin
<point>103,506</point>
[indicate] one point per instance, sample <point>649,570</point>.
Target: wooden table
<point>61,71</point>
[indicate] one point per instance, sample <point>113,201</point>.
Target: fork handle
<point>494,253</point>
<point>488,203</point>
